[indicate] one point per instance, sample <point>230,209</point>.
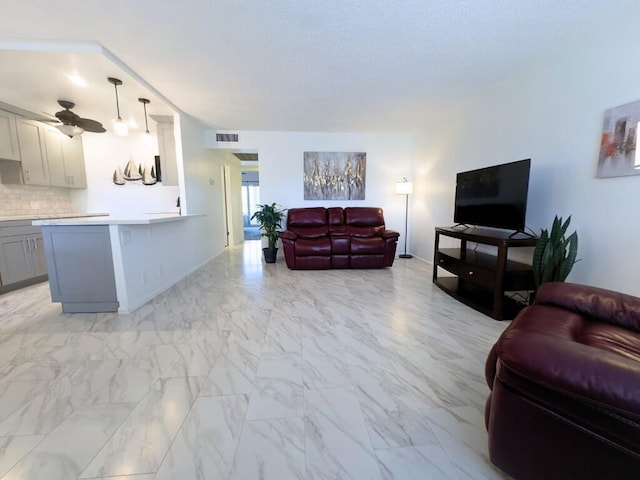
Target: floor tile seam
<point>242,430</point>
<point>107,440</point>
<point>44,437</point>
<point>173,440</point>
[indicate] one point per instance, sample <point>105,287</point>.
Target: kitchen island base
<point>119,263</point>
<point>80,265</point>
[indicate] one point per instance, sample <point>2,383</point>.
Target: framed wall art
<point>334,175</point>
<point>618,142</point>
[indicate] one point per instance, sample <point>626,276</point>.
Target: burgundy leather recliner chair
<point>353,237</point>
<point>565,380</point>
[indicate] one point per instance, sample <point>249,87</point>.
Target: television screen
<point>493,196</point>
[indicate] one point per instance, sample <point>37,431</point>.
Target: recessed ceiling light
<point>77,80</point>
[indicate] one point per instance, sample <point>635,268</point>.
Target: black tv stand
<point>481,279</point>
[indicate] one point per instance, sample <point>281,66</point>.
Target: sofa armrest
<point>389,234</point>
<point>572,369</point>
<point>605,305</point>
<point>288,235</point>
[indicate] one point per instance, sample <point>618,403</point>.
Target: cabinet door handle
<point>27,175</point>
<point>35,244</point>
<point>26,247</point>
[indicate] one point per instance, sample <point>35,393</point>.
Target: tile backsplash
<point>33,200</point>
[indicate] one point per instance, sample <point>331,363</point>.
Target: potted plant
<point>555,253</point>
<point>269,218</point>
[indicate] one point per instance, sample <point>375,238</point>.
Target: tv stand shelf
<point>481,279</point>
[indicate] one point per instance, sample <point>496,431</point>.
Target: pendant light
<point>144,102</point>
<point>119,127</point>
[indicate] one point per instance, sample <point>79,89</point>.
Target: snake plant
<point>555,253</point>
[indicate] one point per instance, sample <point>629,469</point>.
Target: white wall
<point>201,191</point>
<point>553,114</point>
<point>281,167</point>
<point>103,153</point>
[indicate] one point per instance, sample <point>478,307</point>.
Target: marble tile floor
<point>249,371</point>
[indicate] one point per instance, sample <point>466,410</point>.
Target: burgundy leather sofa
<point>565,380</point>
<point>353,237</point>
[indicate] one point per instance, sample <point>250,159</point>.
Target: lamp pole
<point>406,216</point>
<point>405,188</point>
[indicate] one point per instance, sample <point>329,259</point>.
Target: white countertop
<point>48,216</point>
<point>136,219</point>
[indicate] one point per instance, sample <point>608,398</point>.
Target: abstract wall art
<point>618,142</point>
<point>334,175</point>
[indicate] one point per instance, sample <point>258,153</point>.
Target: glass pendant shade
<point>119,127</point>
<point>70,130</point>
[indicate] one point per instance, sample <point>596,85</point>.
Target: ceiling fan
<point>72,124</point>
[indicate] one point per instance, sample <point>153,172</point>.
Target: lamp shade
<point>404,188</point>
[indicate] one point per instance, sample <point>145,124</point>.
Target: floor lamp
<point>405,188</point>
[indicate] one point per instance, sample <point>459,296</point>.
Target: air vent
<point>247,157</point>
<point>226,137</point>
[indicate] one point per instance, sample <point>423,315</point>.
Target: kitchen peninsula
<point>114,263</point>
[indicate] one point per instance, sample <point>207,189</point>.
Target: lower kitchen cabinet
<point>22,258</point>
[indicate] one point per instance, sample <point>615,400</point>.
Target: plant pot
<point>270,254</point>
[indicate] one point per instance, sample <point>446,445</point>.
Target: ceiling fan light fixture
<point>119,127</point>
<point>70,130</point>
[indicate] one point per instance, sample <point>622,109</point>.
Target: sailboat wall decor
<point>118,176</point>
<point>133,172</point>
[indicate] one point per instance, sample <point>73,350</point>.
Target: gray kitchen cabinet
<point>65,157</point>
<point>167,150</point>
<point>73,154</point>
<point>22,257</point>
<point>80,265</point>
<point>9,147</point>
<point>33,152</point>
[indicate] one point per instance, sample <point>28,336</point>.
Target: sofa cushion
<point>367,245</point>
<point>307,217</point>
<point>363,217</point>
<point>335,219</point>
<point>355,231</point>
<point>308,222</point>
<point>310,232</point>
<point>306,247</point>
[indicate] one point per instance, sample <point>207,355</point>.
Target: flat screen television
<point>494,196</point>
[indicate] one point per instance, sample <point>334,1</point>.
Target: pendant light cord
<point>117,102</point>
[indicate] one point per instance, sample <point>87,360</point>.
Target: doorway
<point>250,201</point>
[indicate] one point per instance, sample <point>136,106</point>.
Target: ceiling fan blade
<point>47,120</point>
<point>67,117</point>
<point>90,125</point>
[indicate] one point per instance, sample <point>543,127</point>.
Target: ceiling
<point>34,81</point>
<point>335,65</point>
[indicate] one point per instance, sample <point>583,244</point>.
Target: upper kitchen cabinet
<point>66,160</point>
<point>9,148</point>
<point>167,150</point>
<point>33,152</point>
<point>47,157</point>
